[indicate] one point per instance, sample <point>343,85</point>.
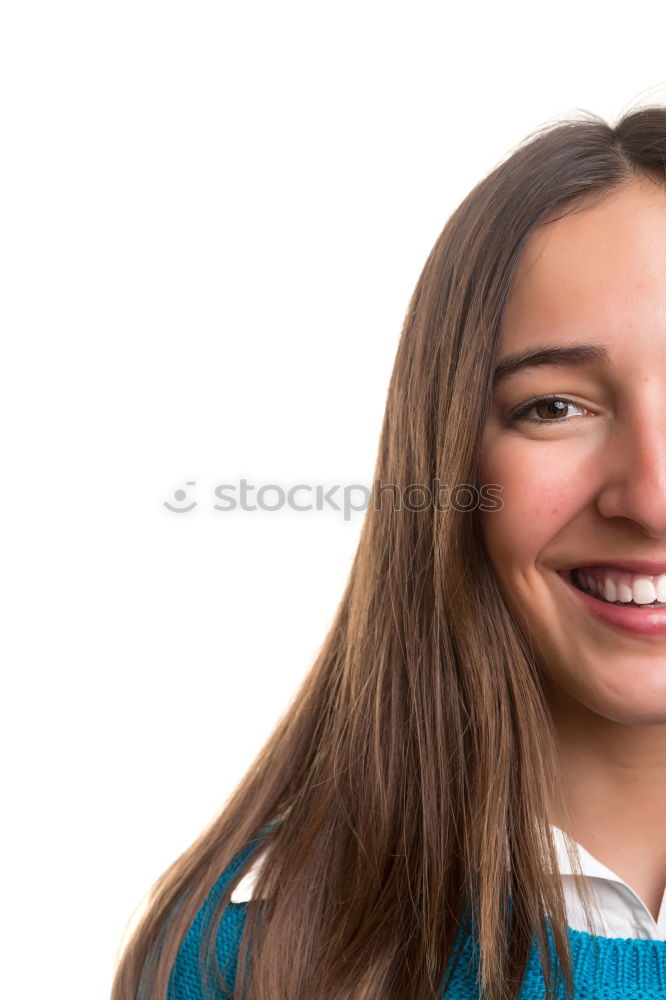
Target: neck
<point>614,783</point>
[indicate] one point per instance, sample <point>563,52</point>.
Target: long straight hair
<point>410,780</point>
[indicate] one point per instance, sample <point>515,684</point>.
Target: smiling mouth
<point>575,580</point>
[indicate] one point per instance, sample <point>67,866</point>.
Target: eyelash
<point>526,407</point>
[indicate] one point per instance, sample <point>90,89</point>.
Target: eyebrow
<point>561,357</point>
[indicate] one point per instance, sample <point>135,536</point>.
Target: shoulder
<point>185,982</point>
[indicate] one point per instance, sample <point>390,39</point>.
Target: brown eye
<point>550,410</point>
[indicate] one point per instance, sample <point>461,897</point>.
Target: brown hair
<point>417,762</point>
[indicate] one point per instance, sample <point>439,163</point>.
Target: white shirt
<point>620,912</point>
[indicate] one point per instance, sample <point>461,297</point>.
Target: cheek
<point>539,497</point>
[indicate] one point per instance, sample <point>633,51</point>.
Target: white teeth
<point>644,591</point>
<point>621,588</point>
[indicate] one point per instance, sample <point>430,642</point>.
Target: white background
<point>212,218</point>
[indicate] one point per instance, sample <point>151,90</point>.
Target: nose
<point>634,471</point>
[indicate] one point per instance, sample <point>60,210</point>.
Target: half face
<point>583,473</point>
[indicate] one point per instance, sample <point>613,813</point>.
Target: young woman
<point>468,795</point>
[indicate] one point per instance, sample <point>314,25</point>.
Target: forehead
<point>600,269</point>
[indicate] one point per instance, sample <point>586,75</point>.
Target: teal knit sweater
<point>625,969</point>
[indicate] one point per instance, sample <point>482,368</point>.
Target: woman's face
<point>587,485</point>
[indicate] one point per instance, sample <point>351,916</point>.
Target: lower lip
<point>626,617</point>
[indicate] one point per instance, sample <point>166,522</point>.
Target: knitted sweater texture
<point>621,969</point>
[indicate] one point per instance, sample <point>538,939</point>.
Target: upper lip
<point>647,566</point>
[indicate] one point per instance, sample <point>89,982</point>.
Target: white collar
<point>620,912</point>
